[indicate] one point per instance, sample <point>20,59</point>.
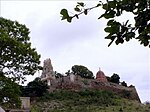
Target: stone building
<point>76,83</point>
<point>47,74</point>
<point>100,76</point>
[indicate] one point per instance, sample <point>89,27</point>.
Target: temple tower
<point>101,76</point>
<point>47,74</point>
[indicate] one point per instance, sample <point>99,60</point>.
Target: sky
<point>80,42</point>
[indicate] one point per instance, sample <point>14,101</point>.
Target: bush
<point>125,94</point>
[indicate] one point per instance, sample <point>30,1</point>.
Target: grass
<point>86,101</point>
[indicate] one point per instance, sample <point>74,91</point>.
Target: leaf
<point>98,5</point>
<point>141,29</point>
<point>85,11</point>
<point>64,12</point>
<point>119,40</point>
<point>110,14</point>
<point>112,4</point>
<point>77,9</point>
<point>69,19</point>
<point>81,4</point>
<point>107,29</point>
<point>105,6</point>
<point>76,16</point>
<point>110,22</point>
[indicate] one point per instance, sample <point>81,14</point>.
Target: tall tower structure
<point>47,74</point>
<point>101,76</point>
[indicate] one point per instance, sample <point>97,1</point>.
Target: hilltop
<point>77,92</point>
<point>81,78</point>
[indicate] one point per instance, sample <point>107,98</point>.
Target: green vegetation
<point>35,88</point>
<point>118,31</point>
<point>17,59</point>
<point>115,78</point>
<point>86,101</point>
<point>124,83</point>
<point>9,93</point>
<point>82,71</point>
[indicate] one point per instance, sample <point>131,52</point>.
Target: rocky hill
<point>86,101</point>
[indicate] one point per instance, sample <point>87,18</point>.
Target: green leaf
<point>129,35</point>
<point>110,22</point>
<point>77,9</point>
<point>119,40</point>
<point>76,16</point>
<point>65,14</point>
<point>112,4</point>
<point>108,29</point>
<point>110,14</point>
<point>85,11</point>
<point>69,19</point>
<point>81,4</point>
<point>105,6</point>
<point>98,5</point>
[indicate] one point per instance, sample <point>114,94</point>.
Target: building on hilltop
<point>47,74</point>
<point>76,83</point>
<point>100,76</point>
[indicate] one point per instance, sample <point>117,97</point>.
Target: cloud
<point>81,42</point>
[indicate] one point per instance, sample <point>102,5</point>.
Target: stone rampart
<point>81,83</point>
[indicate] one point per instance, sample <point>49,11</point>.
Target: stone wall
<point>25,102</point>
<point>81,83</point>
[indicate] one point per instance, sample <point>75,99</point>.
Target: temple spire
<point>99,68</point>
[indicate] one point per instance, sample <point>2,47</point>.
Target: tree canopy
<point>120,32</point>
<point>115,78</point>
<point>82,71</point>
<point>124,83</point>
<point>35,88</point>
<point>9,92</point>
<point>17,58</point>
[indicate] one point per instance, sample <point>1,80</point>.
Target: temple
<point>101,76</point>
<point>47,74</point>
<point>75,82</point>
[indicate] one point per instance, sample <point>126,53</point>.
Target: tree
<point>115,78</point>
<point>82,71</point>
<point>108,78</point>
<point>58,75</point>
<point>124,83</point>
<point>35,88</point>
<point>68,73</point>
<point>17,58</point>
<point>9,92</point>
<point>117,31</point>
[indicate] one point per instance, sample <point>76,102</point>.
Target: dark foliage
<point>120,32</point>
<point>115,78</point>
<point>36,88</point>
<point>9,92</point>
<point>124,83</point>
<point>17,58</point>
<point>82,71</point>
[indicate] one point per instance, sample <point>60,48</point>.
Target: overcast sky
<point>81,42</point>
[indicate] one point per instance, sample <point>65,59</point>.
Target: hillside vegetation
<point>86,101</point>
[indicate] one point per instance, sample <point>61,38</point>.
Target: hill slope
<point>86,101</point>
